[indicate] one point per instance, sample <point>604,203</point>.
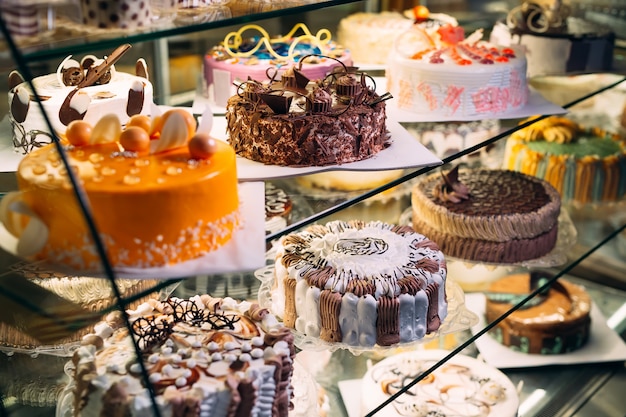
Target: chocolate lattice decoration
<point>153,331</point>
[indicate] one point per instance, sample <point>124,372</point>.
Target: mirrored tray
<point>459,318</point>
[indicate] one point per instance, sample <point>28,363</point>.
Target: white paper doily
<point>459,318</point>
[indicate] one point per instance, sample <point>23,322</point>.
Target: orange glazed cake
<point>157,198</point>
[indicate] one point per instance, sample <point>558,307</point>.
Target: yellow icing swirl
<point>233,41</point>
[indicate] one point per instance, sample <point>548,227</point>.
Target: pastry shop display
<point>84,90</point>
<point>203,356</point>
<point>460,387</point>
<point>151,187</point>
<point>553,322</point>
<point>495,216</point>
<point>251,52</point>
<point>360,283</point>
<point>92,294</point>
<point>585,165</point>
<point>556,42</point>
<point>278,207</point>
<point>439,72</point>
<point>295,122</point>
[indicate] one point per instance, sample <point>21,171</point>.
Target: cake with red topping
<point>296,122</point>
<point>486,215</point>
<point>439,72</point>
<point>360,283</point>
<point>262,57</point>
<point>203,356</point>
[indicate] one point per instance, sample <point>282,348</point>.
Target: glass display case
<point>31,383</point>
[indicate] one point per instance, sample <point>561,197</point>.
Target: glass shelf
<point>73,38</point>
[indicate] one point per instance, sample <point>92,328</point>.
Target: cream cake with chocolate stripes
<point>360,283</point>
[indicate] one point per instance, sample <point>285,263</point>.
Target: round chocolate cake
<point>487,215</point>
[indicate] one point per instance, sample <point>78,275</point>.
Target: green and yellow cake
<point>586,165</point>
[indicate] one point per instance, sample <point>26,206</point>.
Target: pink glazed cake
<point>262,57</point>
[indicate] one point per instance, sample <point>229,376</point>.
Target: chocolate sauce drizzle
<point>153,331</point>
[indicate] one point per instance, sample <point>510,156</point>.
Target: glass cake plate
<point>305,398</point>
<point>459,318</point>
<point>476,275</point>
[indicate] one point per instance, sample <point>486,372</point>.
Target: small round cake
<point>438,72</point>
<point>360,284</point>
<point>461,387</point>
<point>552,323</point>
<point>586,165</point>
<point>204,356</point>
<point>556,42</point>
<point>295,122</point>
<point>263,57</point>
<point>486,215</point>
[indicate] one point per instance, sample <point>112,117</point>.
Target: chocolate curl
<point>97,72</point>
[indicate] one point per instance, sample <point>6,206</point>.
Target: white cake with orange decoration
<point>263,57</point>
<point>160,193</point>
<point>437,71</point>
<point>79,90</point>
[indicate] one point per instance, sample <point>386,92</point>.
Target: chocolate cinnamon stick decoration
<point>97,72</point>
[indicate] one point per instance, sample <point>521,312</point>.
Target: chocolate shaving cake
<point>360,284</point>
<point>487,215</point>
<point>296,122</point>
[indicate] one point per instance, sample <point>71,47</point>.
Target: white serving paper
<point>404,152</point>
<point>604,344</point>
<point>244,252</point>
